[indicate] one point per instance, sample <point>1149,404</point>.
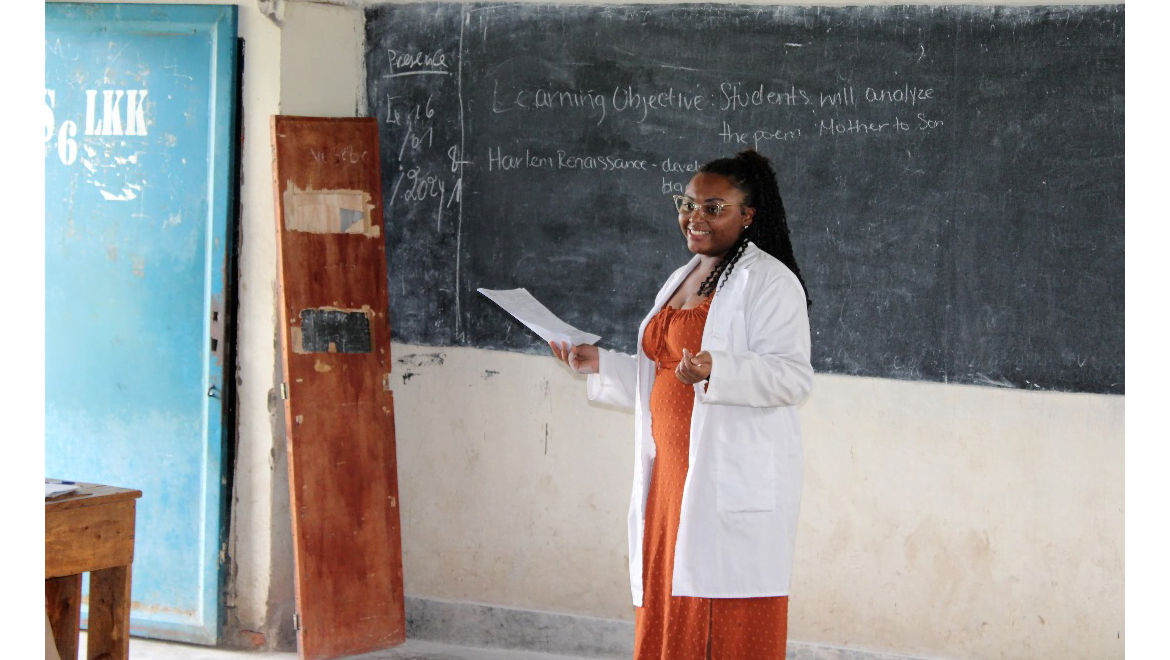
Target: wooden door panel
<point>353,605</point>
<point>339,411</point>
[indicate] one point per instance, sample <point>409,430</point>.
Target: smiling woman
<point>708,230</point>
<point>722,363</point>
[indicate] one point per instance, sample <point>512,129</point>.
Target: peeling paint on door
<point>329,211</point>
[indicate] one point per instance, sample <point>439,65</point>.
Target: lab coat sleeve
<point>616,380</point>
<point>776,370</point>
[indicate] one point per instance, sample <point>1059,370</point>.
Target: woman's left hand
<point>693,368</point>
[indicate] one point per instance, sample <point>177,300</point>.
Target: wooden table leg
<point>63,605</point>
<point>109,614</point>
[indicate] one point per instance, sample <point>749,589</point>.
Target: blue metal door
<point>139,169</point>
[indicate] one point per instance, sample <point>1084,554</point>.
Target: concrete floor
<point>146,649</point>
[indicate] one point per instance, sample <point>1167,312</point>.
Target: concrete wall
<point>938,520</point>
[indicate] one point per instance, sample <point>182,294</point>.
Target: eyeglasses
<point>687,206</point>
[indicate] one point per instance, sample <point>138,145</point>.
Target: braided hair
<point>752,174</point>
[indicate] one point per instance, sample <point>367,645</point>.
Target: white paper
<point>53,489</point>
<point>529,311</point>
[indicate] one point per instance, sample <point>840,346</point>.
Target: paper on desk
<point>529,311</point>
<point>54,489</point>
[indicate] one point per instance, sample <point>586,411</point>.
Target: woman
<point>723,360</point>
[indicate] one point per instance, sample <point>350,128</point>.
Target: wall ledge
<point>492,626</point>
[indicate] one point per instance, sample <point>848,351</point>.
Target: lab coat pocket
<point>739,338</point>
<point>746,476</point>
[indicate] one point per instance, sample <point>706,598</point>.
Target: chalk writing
<point>345,156</point>
<point>925,124</point>
<point>417,63</point>
<point>395,114</point>
<point>501,160</point>
<point>835,126</point>
<point>454,157</point>
<point>423,186</point>
<point>732,97</point>
<point>627,98</point>
<point>421,127</point>
<point>767,113</point>
<point>623,99</point>
<point>601,162</point>
<point>736,99</point>
<point>416,140</point>
<point>669,165</point>
<point>905,94</point>
<point>498,160</point>
<point>841,97</point>
<point>550,99</point>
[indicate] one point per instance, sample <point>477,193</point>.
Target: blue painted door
<point>139,167</point>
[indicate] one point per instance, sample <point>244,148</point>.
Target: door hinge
<point>296,621</point>
<point>284,391</point>
<point>216,325</point>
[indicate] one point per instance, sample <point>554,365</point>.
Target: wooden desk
<point>90,530</point>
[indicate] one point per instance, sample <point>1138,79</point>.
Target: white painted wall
<point>938,520</point>
<point>256,329</point>
<point>322,62</point>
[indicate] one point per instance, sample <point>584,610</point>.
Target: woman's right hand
<point>582,358</point>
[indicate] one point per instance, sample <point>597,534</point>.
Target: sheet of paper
<point>53,489</point>
<point>529,311</point>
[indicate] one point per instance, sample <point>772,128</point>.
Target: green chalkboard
<point>953,175</point>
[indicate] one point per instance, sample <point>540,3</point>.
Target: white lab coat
<point>737,532</point>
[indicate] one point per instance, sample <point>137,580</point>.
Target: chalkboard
<point>335,331</point>
<point>953,176</point>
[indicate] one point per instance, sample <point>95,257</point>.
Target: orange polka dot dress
<point>681,627</point>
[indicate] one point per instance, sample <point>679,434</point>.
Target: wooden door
<point>140,195</point>
<point>343,473</point>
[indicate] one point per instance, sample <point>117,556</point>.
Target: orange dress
<point>681,627</point>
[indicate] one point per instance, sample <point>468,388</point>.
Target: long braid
<point>752,174</point>
<point>725,265</point>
